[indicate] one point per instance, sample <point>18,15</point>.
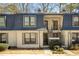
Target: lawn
<point>31,51</point>
<point>22,52</point>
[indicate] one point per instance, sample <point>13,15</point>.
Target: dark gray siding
<point>67,22</point>
<point>15,22</point>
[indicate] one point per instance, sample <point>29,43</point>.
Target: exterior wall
<point>15,38</point>
<point>67,23</point>
<point>15,22</point>
<point>65,38</point>
<point>39,41</point>
<point>49,18</point>
<point>15,29</point>
<point>11,37</point>
<point>20,39</point>
<point>67,34</point>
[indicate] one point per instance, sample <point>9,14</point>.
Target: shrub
<point>76,46</point>
<point>3,46</point>
<point>53,43</point>
<point>73,47</point>
<point>61,49</point>
<point>56,48</point>
<point>70,47</point>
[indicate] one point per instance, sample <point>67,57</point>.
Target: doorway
<point>45,39</point>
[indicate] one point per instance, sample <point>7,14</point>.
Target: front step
<point>46,47</point>
<point>51,38</point>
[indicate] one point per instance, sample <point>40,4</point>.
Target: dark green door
<point>45,39</point>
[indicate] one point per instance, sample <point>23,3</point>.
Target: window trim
<point>30,42</point>
<point>29,21</point>
<point>73,21</point>
<point>72,34</point>
<point>24,21</point>
<point>6,37</point>
<point>4,22</point>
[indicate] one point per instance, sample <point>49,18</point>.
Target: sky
<point>33,6</point>
<point>36,5</point>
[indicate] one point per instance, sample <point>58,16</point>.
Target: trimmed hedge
<point>73,47</point>
<point>58,50</point>
<point>53,43</point>
<point>3,46</point>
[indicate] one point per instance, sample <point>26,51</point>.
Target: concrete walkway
<point>49,52</point>
<point>69,52</point>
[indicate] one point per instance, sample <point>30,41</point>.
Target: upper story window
<point>2,21</point>
<point>55,25</point>
<point>75,21</point>
<point>46,24</point>
<point>29,21</point>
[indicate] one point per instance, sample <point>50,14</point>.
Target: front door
<point>45,39</point>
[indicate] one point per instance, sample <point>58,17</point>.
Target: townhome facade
<point>36,30</point>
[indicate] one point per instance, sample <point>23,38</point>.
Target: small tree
<point>12,8</point>
<point>1,9</point>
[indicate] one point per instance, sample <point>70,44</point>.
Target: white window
<point>29,21</point>
<point>33,37</point>
<point>26,21</point>
<point>3,37</point>
<point>75,38</point>
<point>30,38</point>
<point>75,21</point>
<point>33,21</point>
<point>2,21</point>
<point>27,37</point>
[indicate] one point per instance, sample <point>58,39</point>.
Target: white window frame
<point>33,21</point>
<point>24,22</point>
<point>30,38</point>
<point>4,21</point>
<point>29,25</point>
<point>73,21</point>
<point>5,38</point>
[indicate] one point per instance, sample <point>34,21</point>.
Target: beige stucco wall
<point>11,37</point>
<point>50,18</point>
<point>65,38</point>
<point>39,41</point>
<point>20,38</point>
<point>67,34</point>
<point>15,38</point>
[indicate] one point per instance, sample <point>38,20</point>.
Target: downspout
<point>39,38</point>
<point>16,40</point>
